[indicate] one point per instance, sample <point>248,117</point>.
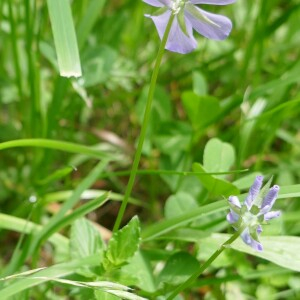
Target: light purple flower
<point>254,191</point>
<point>253,212</point>
<point>188,16</point>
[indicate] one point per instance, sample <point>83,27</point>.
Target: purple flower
<point>188,16</point>
<point>254,212</point>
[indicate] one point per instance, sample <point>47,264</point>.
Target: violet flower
<point>188,16</point>
<point>255,211</point>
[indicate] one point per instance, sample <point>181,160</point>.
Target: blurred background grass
<point>247,87</point>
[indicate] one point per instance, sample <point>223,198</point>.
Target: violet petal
<point>217,27</point>
<point>271,215</point>
<point>256,245</point>
<point>232,217</point>
<point>271,197</point>
<point>254,191</point>
<point>177,40</point>
<point>234,200</point>
<point>259,229</point>
<point>250,241</point>
<point>245,235</point>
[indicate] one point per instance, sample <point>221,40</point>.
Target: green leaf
<point>68,219</point>
<point>281,250</point>
<point>64,38</point>
<point>214,185</point>
<point>100,295</point>
<point>179,267</point>
<point>248,127</point>
<point>123,244</point>
<point>58,174</point>
<point>86,195</point>
<point>8,222</point>
<point>37,277</point>
<point>178,204</point>
<point>218,156</point>
<point>60,217</point>
<point>201,110</point>
<point>268,86</point>
<point>173,137</point>
<point>289,191</point>
<point>165,226</point>
<point>139,267</point>
<point>125,295</point>
<point>161,108</point>
<point>89,19</point>
<point>85,240</point>
<point>246,181</point>
<point>200,87</point>
<point>58,145</point>
<point>47,274</point>
<point>98,65</point>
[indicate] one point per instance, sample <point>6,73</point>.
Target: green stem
<point>205,265</point>
<point>14,39</point>
<point>167,172</point>
<point>147,113</point>
<point>30,16</point>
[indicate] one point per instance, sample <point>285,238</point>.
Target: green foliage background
<point>230,105</point>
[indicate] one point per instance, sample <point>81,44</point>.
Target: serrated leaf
<point>123,244</point>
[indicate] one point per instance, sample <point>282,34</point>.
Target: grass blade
<point>165,226</point>
<point>64,38</point>
<point>55,271</point>
<point>57,145</point>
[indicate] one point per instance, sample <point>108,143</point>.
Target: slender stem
<point>144,125</point>
<point>15,52</point>
<point>30,16</point>
<point>167,172</point>
<point>205,265</point>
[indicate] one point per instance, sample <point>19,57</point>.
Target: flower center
<point>250,219</point>
<point>177,5</point>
